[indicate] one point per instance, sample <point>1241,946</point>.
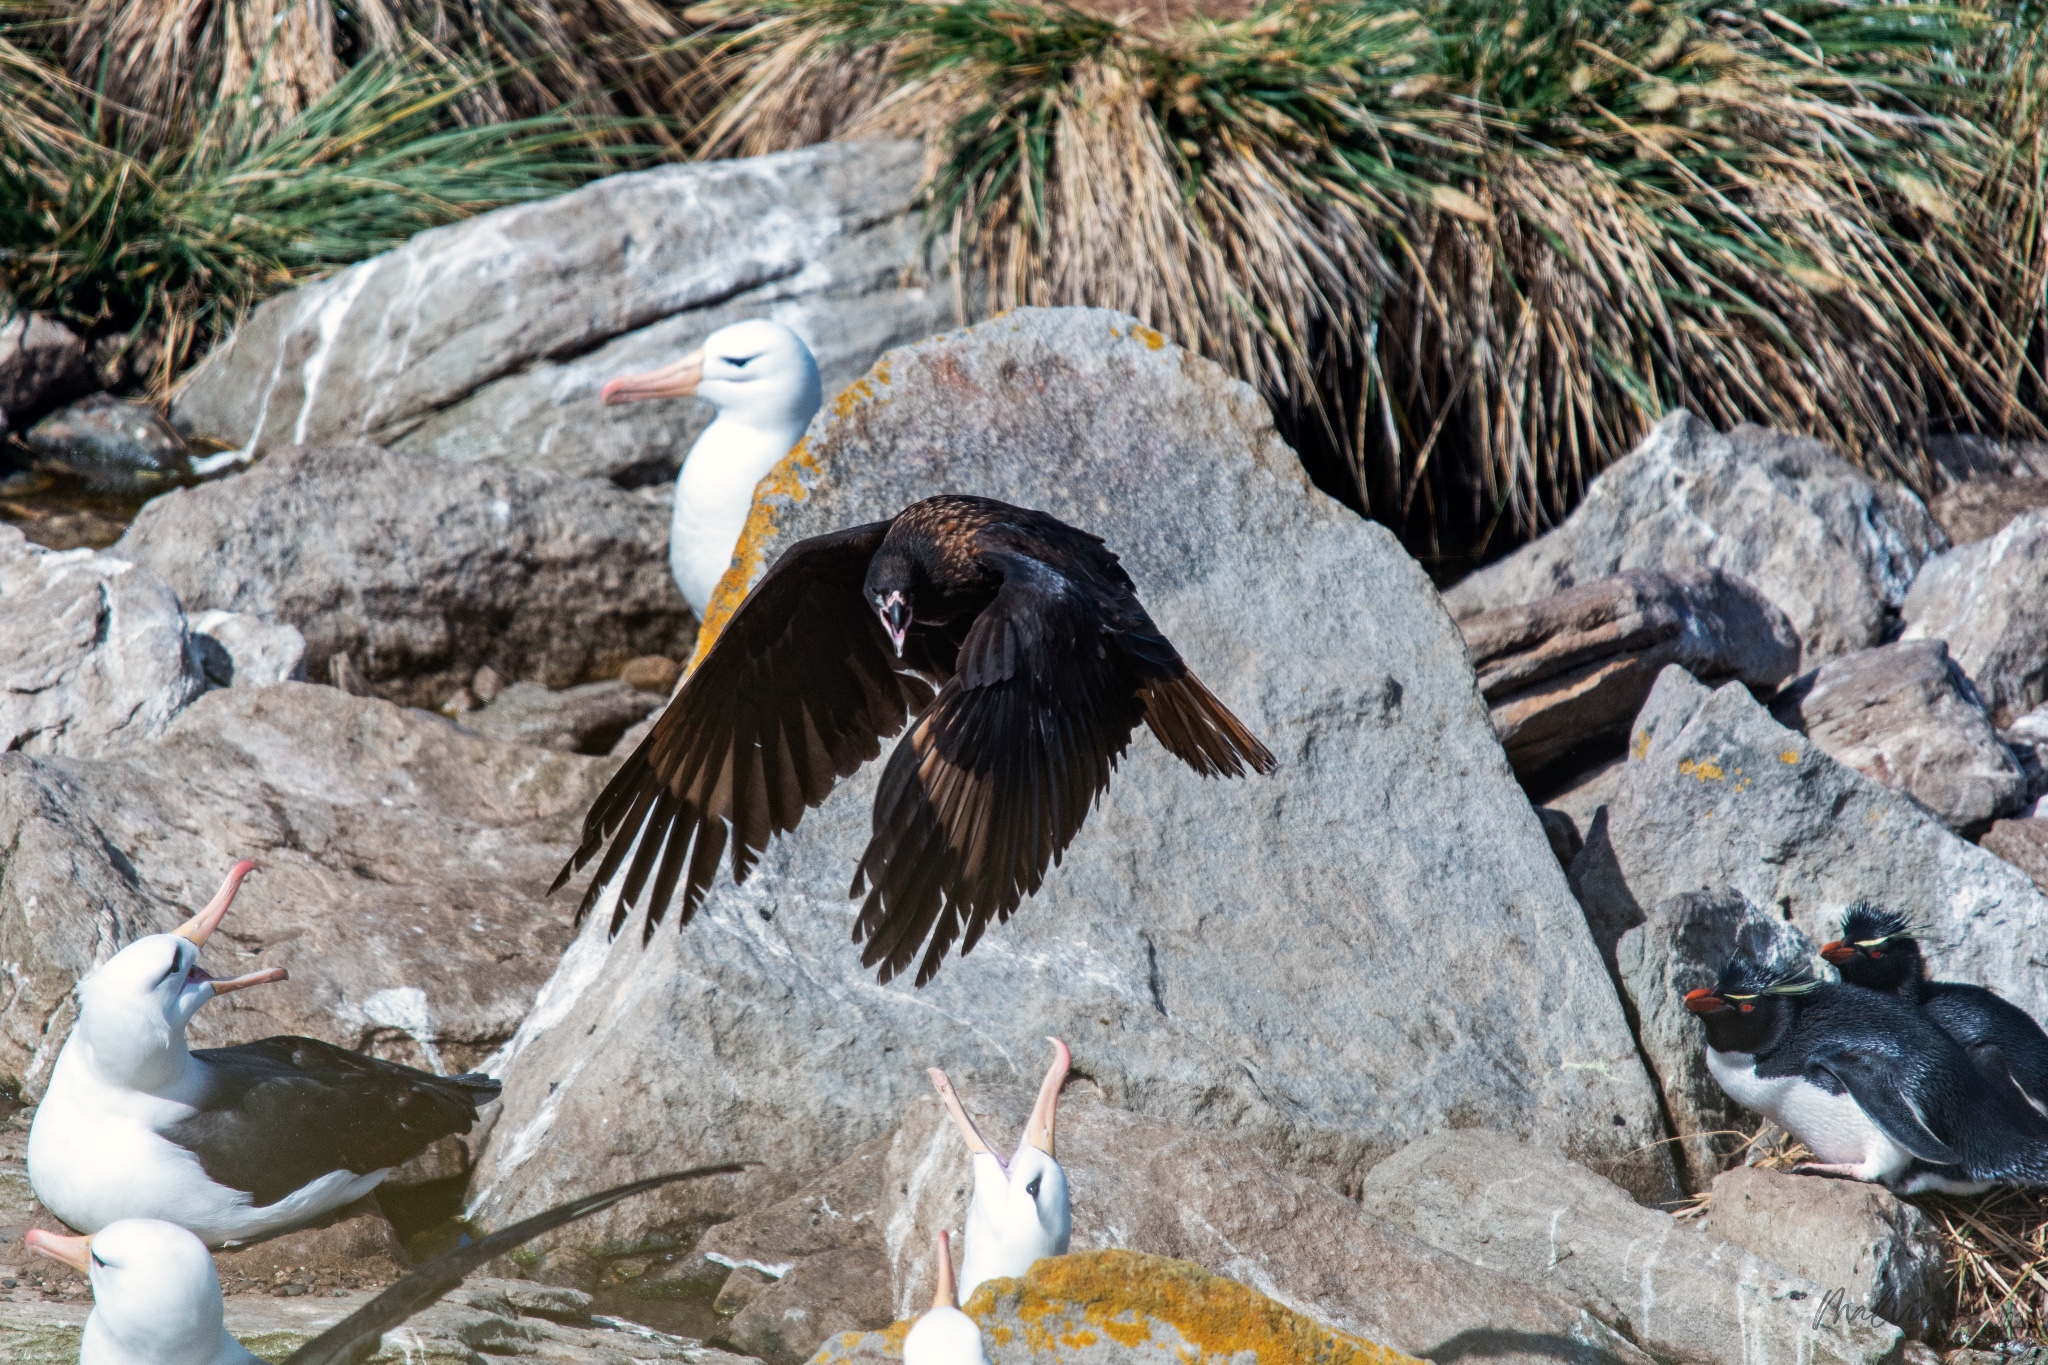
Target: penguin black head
<point>1876,949</point>
<point>1749,1001</point>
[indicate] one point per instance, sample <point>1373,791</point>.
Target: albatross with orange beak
<point>155,1295</point>
<point>1020,1211</point>
<point>764,382</point>
<point>232,1144</point>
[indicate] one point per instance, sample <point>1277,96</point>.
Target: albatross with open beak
<point>155,1296</point>
<point>944,1335</point>
<point>1019,1212</point>
<point>233,1143</point>
<point>764,382</point>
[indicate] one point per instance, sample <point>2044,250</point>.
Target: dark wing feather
<point>798,691</point>
<point>1877,1084</point>
<point>282,1112</point>
<point>993,781</point>
<point>356,1336</point>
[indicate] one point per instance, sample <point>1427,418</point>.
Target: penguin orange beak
<point>75,1252</point>
<point>201,926</point>
<point>1704,1001</point>
<point>679,380</point>
<point>1038,1132</point>
<point>1837,952</point>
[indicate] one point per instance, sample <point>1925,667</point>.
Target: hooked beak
<point>975,1144</point>
<point>72,1251</point>
<point>1704,1001</point>
<point>201,926</point>
<point>1039,1131</point>
<point>944,1296</point>
<point>679,380</point>
<point>1837,952</point>
<point>896,620</point>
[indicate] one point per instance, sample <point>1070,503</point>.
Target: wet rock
<point>112,443</point>
<point>579,720</point>
<point>1124,1308</point>
<point>2023,843</point>
<point>489,339</point>
<point>1140,1184</point>
<point>41,361</point>
<point>1683,944</point>
<point>483,1320</point>
<point>94,652</point>
<point>1980,508</point>
<point>420,571</point>
<point>1856,1240</point>
<point>1717,794</point>
<point>1575,666</point>
<point>1392,838</point>
<point>1989,601</point>
<point>1679,1293</point>
<point>402,861</point>
<point>242,651</point>
<point>1905,715</point>
<point>1834,549</point>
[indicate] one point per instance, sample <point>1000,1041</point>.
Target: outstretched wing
<point>994,780</point>
<point>798,691</point>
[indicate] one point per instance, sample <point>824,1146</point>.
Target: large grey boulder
<point>94,652</point>
<point>2023,843</point>
<point>1683,944</point>
<point>1989,601</point>
<point>41,361</point>
<point>1717,794</point>
<point>420,571</point>
<point>489,339</point>
<point>1142,1184</point>
<point>1676,1291</point>
<point>1575,666</point>
<point>1832,547</point>
<point>1357,878</point>
<point>1905,715</point>
<point>1858,1240</point>
<point>402,862</point>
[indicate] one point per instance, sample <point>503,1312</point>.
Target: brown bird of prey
<point>1018,644</point>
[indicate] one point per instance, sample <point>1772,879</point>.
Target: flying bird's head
<point>133,1008</point>
<point>1749,1001</point>
<point>892,591</point>
<point>156,1295</point>
<point>1875,948</point>
<point>757,371</point>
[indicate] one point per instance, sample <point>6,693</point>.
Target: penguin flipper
<point>1875,1088</point>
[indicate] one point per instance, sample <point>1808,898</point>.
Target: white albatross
<point>943,1335</point>
<point>155,1295</point>
<point>764,382</point>
<point>1019,1212</point>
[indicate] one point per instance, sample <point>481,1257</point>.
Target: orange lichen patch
<point>1640,745</point>
<point>1789,756</point>
<point>1120,1294</point>
<point>1149,337</point>
<point>750,555</point>
<point>1705,770</point>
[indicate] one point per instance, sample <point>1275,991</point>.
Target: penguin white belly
<point>95,1157</point>
<point>713,494</point>
<point>1833,1127</point>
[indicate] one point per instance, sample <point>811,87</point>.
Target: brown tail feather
<point>1199,730</point>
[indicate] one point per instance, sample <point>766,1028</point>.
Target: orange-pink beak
<point>679,380</point>
<point>1039,1131</point>
<point>200,928</point>
<point>945,1295</point>
<point>75,1252</point>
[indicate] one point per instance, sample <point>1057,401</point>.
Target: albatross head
<point>155,1293</point>
<point>133,1008</point>
<point>944,1335</point>
<point>757,372</point>
<point>1025,1210</point>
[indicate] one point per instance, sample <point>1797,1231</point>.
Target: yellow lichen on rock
<point>782,485</point>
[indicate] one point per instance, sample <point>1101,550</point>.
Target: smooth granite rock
<point>1832,547</point>
<point>94,652</point>
<point>421,571</point>
<point>1716,794</point>
<point>41,361</point>
<point>1356,878</point>
<point>578,720</point>
<point>237,650</point>
<point>1679,1293</point>
<point>403,864</point>
<point>1989,601</point>
<point>1905,714</point>
<point>488,339</point>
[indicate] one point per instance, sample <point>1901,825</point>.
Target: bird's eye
<point>172,970</point>
<point>1032,1188</point>
<point>740,362</point>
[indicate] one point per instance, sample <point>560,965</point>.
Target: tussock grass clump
<point>1473,249</point>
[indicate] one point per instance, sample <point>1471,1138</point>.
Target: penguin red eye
<point>1747,1008</point>
<point>1875,953</point>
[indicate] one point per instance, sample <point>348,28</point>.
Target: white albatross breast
<point>1020,1211</point>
